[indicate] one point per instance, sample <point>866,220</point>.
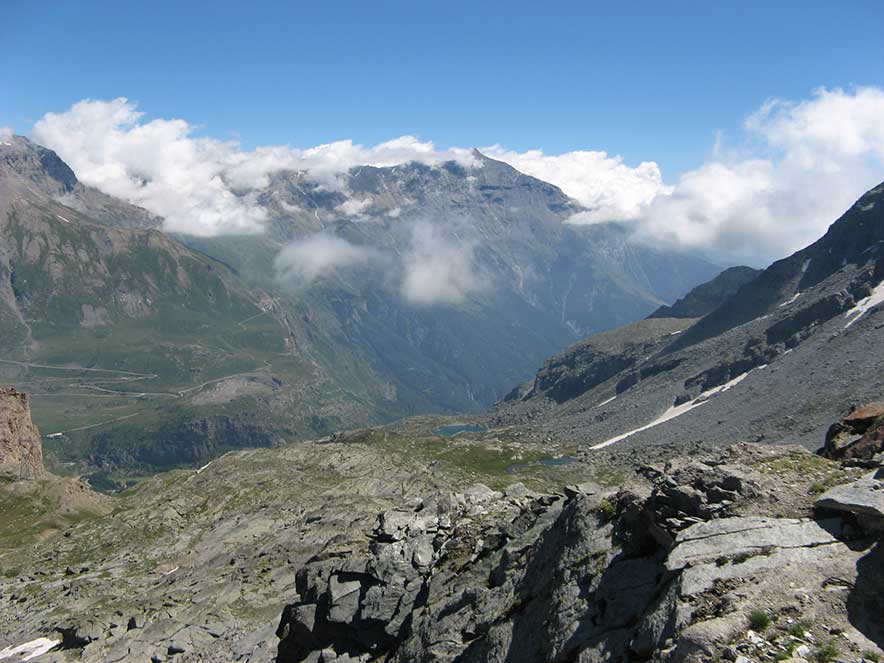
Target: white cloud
<point>354,206</point>
<point>797,166</point>
<point>200,186</point>
<point>6,133</point>
<point>608,188</point>
<point>158,165</point>
<point>303,261</point>
<point>439,269</point>
<point>807,162</point>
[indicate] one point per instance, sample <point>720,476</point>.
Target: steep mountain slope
<point>777,360</point>
<point>772,361</point>
<point>146,350</point>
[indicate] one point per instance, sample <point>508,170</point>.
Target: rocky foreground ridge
<point>376,547</point>
<point>723,556</point>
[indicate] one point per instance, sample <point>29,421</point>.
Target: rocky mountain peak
<point>21,454</point>
<point>40,166</point>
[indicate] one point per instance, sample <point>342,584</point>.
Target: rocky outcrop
<point>864,499</point>
<point>21,454</point>
<point>677,575</point>
<point>858,436</point>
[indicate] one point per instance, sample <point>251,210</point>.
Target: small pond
<point>454,429</point>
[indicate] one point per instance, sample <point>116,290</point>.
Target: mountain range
<point>405,290</point>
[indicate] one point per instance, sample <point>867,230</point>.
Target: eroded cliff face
<point>21,454</point>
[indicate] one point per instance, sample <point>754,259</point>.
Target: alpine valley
<point>144,351</point>
<point>587,450</point>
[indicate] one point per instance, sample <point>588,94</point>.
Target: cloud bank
<point>775,188</point>
<point>435,269</point>
<point>439,269</point>
<point>798,167</point>
<point>303,261</point>
<point>607,187</point>
<point>201,186</point>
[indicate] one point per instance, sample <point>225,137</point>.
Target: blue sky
<point>647,80</point>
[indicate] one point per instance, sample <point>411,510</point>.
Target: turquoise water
<point>451,431</point>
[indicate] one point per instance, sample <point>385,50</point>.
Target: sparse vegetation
<point>872,656</point>
<point>798,629</point>
<point>608,509</point>
<point>739,558</point>
<point>826,652</point>
<point>759,620</point>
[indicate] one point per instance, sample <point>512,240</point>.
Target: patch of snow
<point>807,264</point>
<point>676,333</point>
<point>677,410</point>
<point>62,218</point>
<point>607,401</point>
<point>864,305</point>
<point>203,467</point>
<point>790,300</point>
<point>170,572</point>
<point>29,650</point>
<point>52,435</point>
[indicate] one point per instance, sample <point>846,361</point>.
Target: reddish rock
<point>864,416</point>
<point>21,454</point>
<point>859,435</point>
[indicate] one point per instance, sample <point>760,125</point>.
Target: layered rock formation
<point>21,454</point>
<point>676,574</point>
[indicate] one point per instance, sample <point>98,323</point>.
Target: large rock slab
<point>865,496</point>
<point>748,536</point>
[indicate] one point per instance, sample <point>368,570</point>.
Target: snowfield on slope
<point>677,410</point>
